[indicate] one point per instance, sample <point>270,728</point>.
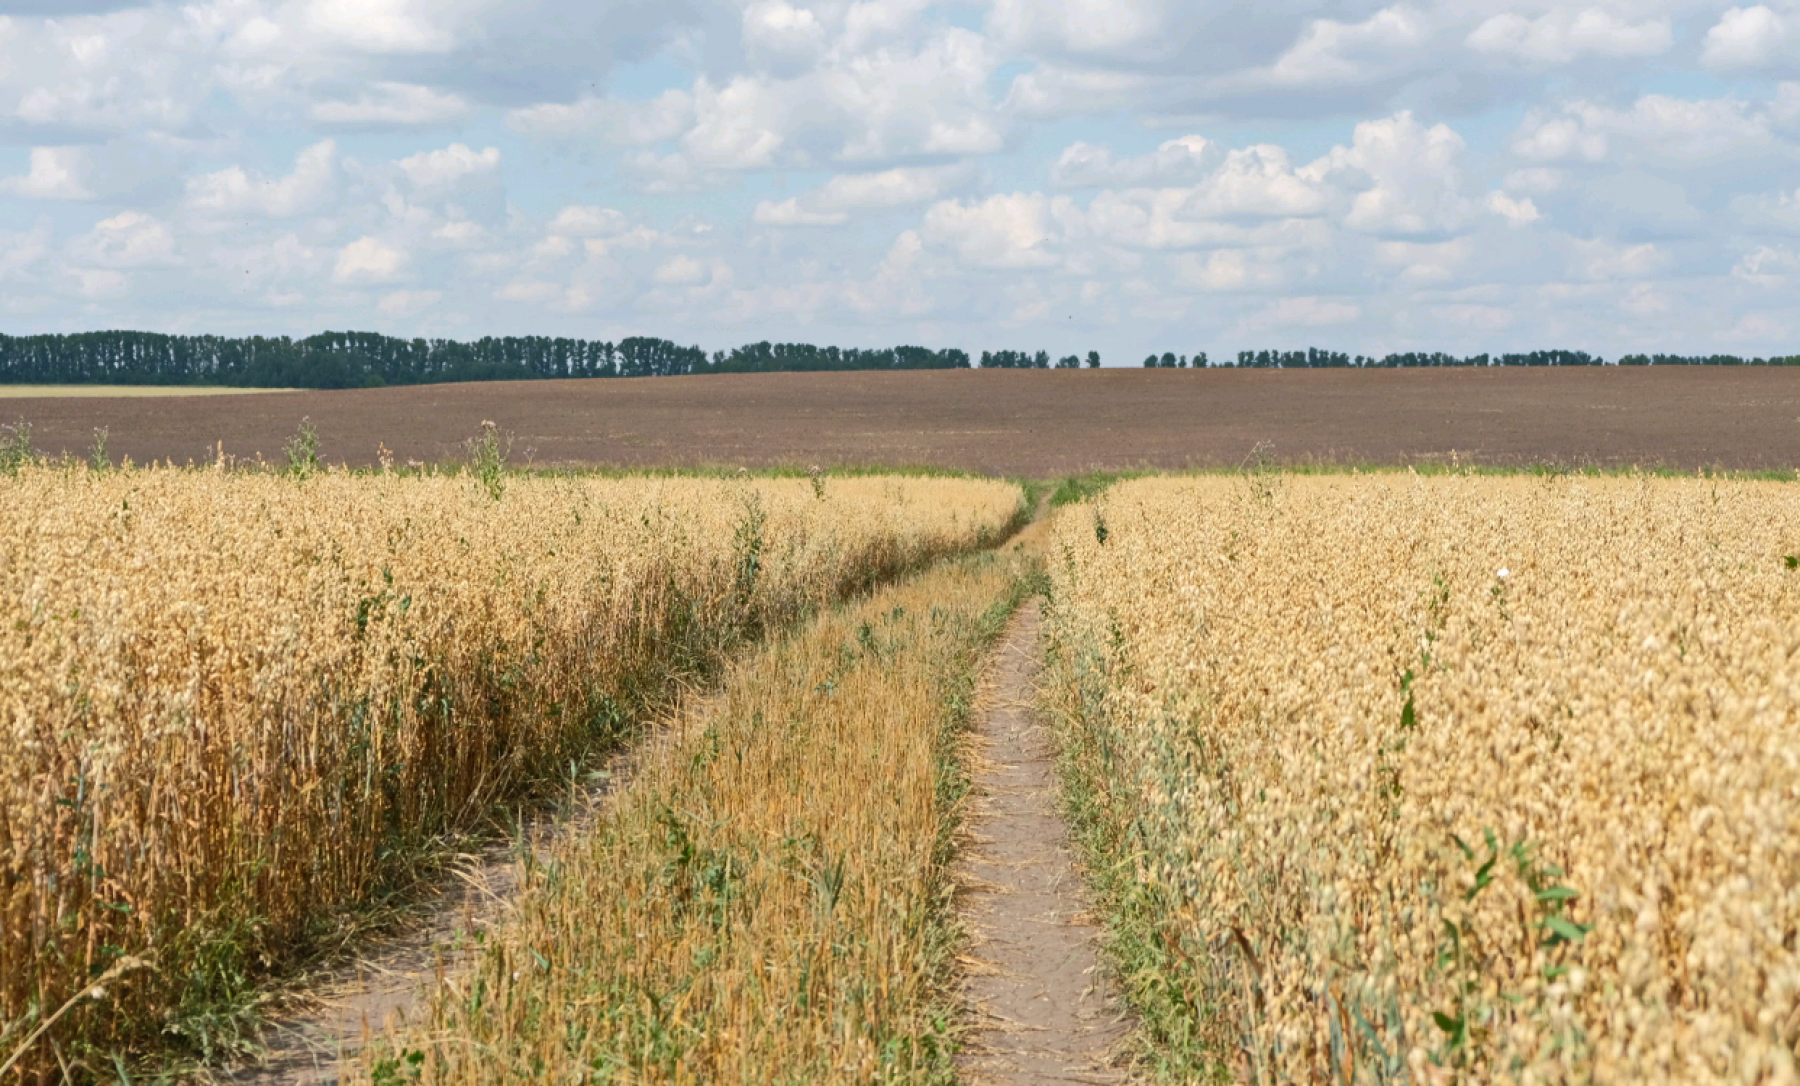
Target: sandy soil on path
<point>1042,1007</point>
<point>318,1036</point>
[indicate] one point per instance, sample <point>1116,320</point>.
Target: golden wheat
<point>768,900</point>
<point>1450,779</point>
<point>230,699</point>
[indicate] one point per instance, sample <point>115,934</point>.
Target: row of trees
<point>368,359</point>
<point>1313,358</point>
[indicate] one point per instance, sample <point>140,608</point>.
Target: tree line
<point>369,359</point>
<point>1314,359</point>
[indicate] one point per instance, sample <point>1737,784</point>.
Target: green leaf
<point>1451,1026</point>
<point>1561,927</point>
<point>1409,718</point>
<point>1792,560</point>
<point>1557,893</point>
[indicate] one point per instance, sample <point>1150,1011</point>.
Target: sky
<point>1124,176</point>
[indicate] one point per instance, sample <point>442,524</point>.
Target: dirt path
<point>327,1024</point>
<point>1043,1012</point>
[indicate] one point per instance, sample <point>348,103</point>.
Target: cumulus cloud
<point>831,204</point>
<point>1414,172</point>
<point>436,169</point>
<point>234,191</point>
<point>56,173</point>
<point>1084,164</point>
<point>1560,36</point>
<point>1303,312</point>
<point>1330,51</point>
<point>913,134</point>
<point>789,213</point>
<point>1657,127</point>
<point>1745,38</point>
<point>625,123</point>
<point>393,104</point>
<point>587,221</point>
<point>1082,26</point>
<point>127,240</point>
<point>1016,230</point>
<point>368,260</point>
<point>381,26</point>
<point>404,302</point>
<point>1517,212</point>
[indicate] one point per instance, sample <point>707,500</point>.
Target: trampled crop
<point>233,701</point>
<point>1449,779</point>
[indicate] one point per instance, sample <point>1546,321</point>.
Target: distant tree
<point>1150,362</point>
<point>1068,362</point>
<point>1093,360</point>
<point>1168,360</point>
<point>1200,362</point>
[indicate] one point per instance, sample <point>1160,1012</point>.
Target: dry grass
<point>1441,780</point>
<point>768,902</point>
<point>236,703</point>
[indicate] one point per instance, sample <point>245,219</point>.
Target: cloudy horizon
<point>1066,175</point>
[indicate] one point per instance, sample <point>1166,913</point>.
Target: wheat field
<point>235,702</point>
<point>1450,779</point>
<point>770,898</point>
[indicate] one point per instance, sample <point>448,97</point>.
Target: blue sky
<point>1067,175</point>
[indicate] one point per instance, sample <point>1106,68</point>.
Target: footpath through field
<point>1044,1013</point>
<point>769,889</point>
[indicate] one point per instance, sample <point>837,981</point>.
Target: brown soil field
<point>1001,421</point>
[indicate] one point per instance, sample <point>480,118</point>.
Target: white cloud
<point>1767,266</point>
<point>1558,139</point>
<point>381,26</point>
<point>1659,127</point>
<point>683,270</point>
<point>789,213</point>
<point>889,188</point>
<point>909,126</point>
<point>1519,212</point>
<point>1744,38</point>
<point>22,251</point>
<point>535,292</point>
<point>625,123</point>
<point>782,37</point>
<point>1089,26</point>
<point>232,191</point>
<point>830,204</point>
<point>1334,52</point>
<point>436,169</point>
<point>1084,164</point>
<point>100,282</point>
<point>1536,180</point>
<point>1414,174</point>
<point>1604,260</point>
<point>1560,36</point>
<point>368,260</point>
<point>1259,181</point>
<point>393,104</point>
<point>56,173</point>
<point>127,240</point>
<point>587,221</point>
<point>1228,270</point>
<point>405,302</point>
<point>1005,231</point>
<point>1305,312</point>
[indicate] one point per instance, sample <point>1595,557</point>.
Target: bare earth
<point>1043,1012</point>
<point>1012,422</point>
